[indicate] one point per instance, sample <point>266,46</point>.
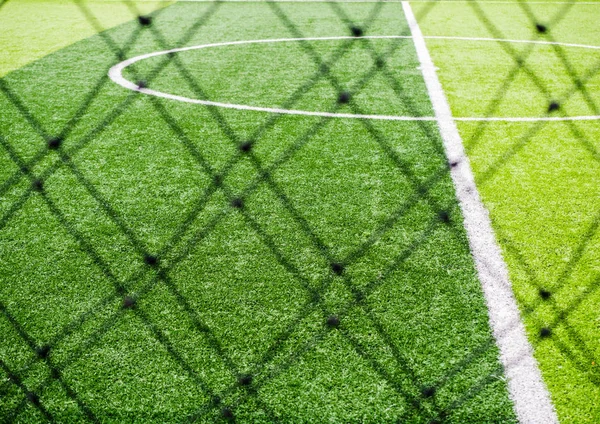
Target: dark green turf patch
<point>216,264</point>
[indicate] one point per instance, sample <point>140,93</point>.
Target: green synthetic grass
<point>31,29</point>
<point>544,200</point>
<point>237,291</point>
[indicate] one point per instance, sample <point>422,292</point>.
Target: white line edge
<point>116,75</point>
<point>526,387</point>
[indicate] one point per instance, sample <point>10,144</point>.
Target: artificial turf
<point>160,272</point>
<point>540,181</point>
<point>31,29</point>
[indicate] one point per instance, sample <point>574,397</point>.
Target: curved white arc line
<point>276,110</point>
<point>116,75</point>
<point>507,40</point>
<point>527,118</point>
<point>132,60</point>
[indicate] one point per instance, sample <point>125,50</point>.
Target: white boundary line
<point>527,389</point>
<point>116,74</point>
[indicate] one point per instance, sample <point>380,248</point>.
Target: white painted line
<point>116,74</point>
<point>502,40</point>
<point>527,389</point>
<point>528,119</point>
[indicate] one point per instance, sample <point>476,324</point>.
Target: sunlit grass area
<point>164,261</point>
<point>539,180</point>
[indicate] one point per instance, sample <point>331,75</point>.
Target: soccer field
<point>278,211</point>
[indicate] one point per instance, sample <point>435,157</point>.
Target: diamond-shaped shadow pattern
<point>161,263</point>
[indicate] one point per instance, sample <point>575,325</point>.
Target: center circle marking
<point>116,74</point>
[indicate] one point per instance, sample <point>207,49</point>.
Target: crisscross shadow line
<point>264,176</point>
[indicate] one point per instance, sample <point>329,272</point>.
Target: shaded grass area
<point>539,181</point>
<point>160,272</point>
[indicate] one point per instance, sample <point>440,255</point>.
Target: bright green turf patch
<point>238,291</point>
<point>31,29</point>
<point>544,199</point>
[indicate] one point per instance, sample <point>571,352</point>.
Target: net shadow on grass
<point>578,86</point>
<point>420,395</point>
